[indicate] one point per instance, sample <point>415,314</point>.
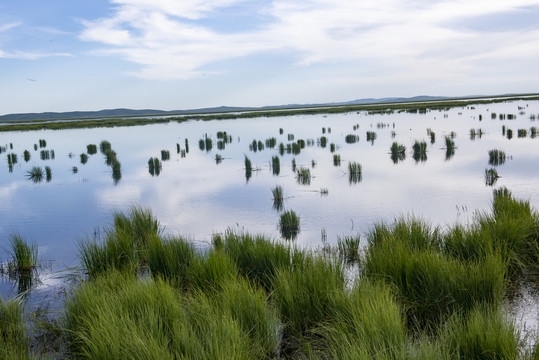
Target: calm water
<point>195,197</point>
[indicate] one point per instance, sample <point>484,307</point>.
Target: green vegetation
<point>420,151</point>
<point>289,224</point>
<point>336,160</point>
<point>496,157</point>
<point>26,155</point>
<point>48,173</point>
<point>278,198</point>
<point>91,149</point>
<point>165,155</point>
<point>398,152</point>
<point>418,293</point>
<point>248,168</point>
<point>491,176</point>
<point>35,174</point>
<point>371,136</point>
<point>351,139</point>
<point>74,170</point>
<point>154,166</point>
<point>275,165</point>
<point>105,146</point>
<point>449,148</point>
<point>83,158</point>
<point>303,176</point>
<point>354,172</point>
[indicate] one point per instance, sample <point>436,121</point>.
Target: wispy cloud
<point>172,39</point>
<point>23,55</point>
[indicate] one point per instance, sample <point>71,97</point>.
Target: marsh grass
<point>449,148</point>
<point>348,248</point>
<point>14,341</point>
<point>154,166</point>
<point>91,149</point>
<point>218,159</point>
<point>83,158</point>
<point>26,155</point>
<point>289,224</point>
<point>371,136</point>
<point>74,170</point>
<point>303,176</point>
<point>248,168</point>
<point>48,173</point>
<point>170,259</point>
<point>354,172</point>
<point>336,160</point>
<point>491,176</point>
<point>275,165</point>
<point>278,197</point>
<point>420,151</point>
<point>35,174</point>
<point>496,157</point>
<point>351,139</point>
<point>105,146</point>
<point>23,254</point>
<point>165,155</point>
<point>398,152</point>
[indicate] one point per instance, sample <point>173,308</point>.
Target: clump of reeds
<point>275,165</point>
<point>83,158</point>
<point>186,145</point>
<point>496,157</point>
<point>91,149</point>
<point>420,151</point>
<point>48,173</point>
<point>332,147</point>
<point>105,146</point>
<point>248,168</point>
<point>74,170</point>
<point>278,197</point>
<point>323,141</point>
<point>15,343</point>
<point>154,166</point>
<point>110,155</point>
<point>303,176</point>
<point>165,155</point>
<point>336,160</point>
<point>23,254</point>
<point>354,172</point>
<point>449,148</point>
<point>42,143</point>
<point>290,137</point>
<point>509,134</point>
<point>351,139</point>
<point>35,174</point>
<point>294,165</point>
<point>522,133</point>
<point>348,248</point>
<point>371,136</point>
<point>218,159</point>
<point>398,152</point>
<point>324,191</point>
<point>491,176</point>
<point>26,155</point>
<point>432,135</point>
<point>289,224</point>
<point>271,143</point>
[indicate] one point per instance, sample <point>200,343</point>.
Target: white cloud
<point>23,55</point>
<point>158,36</point>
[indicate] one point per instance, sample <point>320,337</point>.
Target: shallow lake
<point>195,196</point>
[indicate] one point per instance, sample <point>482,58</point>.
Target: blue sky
<point>65,55</point>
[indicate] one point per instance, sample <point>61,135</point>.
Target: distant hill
<point>149,112</point>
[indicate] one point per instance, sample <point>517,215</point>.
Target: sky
<point>67,55</point>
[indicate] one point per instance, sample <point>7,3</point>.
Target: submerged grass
<point>289,224</point>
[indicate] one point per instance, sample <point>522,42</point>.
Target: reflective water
<point>194,196</point>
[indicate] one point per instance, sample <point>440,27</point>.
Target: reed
<point>201,144</point>
<point>420,151</point>
<point>290,137</point>
<point>432,135</point>
<point>332,147</point>
<point>449,148</point>
<point>35,174</point>
<point>303,176</point>
<point>294,165</point>
<point>496,157</point>
<point>281,149</point>
<point>42,143</point>
<point>248,168</point>
<point>336,160</point>
<point>105,146</point>
<point>165,155</point>
<point>281,131</point>
<point>371,136</point>
<point>110,156</point>
<point>348,248</point>
<point>522,133</point>
<point>271,143</point>
<point>398,152</point>
<point>289,224</point>
<point>83,158</point>
<point>351,139</point>
<point>154,166</point>
<point>275,165</point>
<point>74,170</point>
<point>23,255</point>
<point>170,259</point>
<point>354,172</point>
<point>116,167</point>
<point>323,141</point>
<point>48,173</point>
<point>218,159</point>
<point>186,145</point>
<point>15,343</point>
<point>91,149</point>
<point>491,176</point>
<point>509,134</point>
<point>296,148</point>
<point>26,155</point>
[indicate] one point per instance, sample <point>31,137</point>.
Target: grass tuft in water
<point>275,165</point>
<point>26,155</point>
<point>449,148</point>
<point>289,224</point>
<point>303,176</point>
<point>278,198</point>
<point>91,149</point>
<point>48,173</point>
<point>398,152</point>
<point>420,151</point>
<point>83,158</point>
<point>35,174</point>
<point>354,172</point>
<point>348,248</point>
<point>496,157</point>
<point>491,176</point>
<point>23,255</point>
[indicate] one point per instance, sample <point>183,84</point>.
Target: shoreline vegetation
<point>413,291</point>
<point>420,106</point>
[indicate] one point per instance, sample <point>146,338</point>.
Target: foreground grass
<point>418,293</point>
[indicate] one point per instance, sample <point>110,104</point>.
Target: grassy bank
<point>414,292</point>
<point>410,106</point>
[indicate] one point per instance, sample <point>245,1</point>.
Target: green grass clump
<point>26,155</point>
<point>351,139</point>
<point>371,136</point>
<point>496,157</point>
<point>35,174</point>
<point>449,147</point>
<point>289,224</point>
<point>105,146</point>
<point>275,165</point>
<point>248,168</point>
<point>154,166</point>
<point>303,176</point>
<point>170,259</point>
<point>257,257</point>
<point>348,248</point>
<point>336,160</point>
<point>278,197</point>
<point>48,173</point>
<point>165,155</point>
<point>398,152</point>
<point>83,158</point>
<point>207,272</point>
<point>354,172</point>
<point>14,342</point>
<point>23,255</point>
<point>91,149</point>
<point>420,151</point>
<point>491,176</point>
<point>482,334</point>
